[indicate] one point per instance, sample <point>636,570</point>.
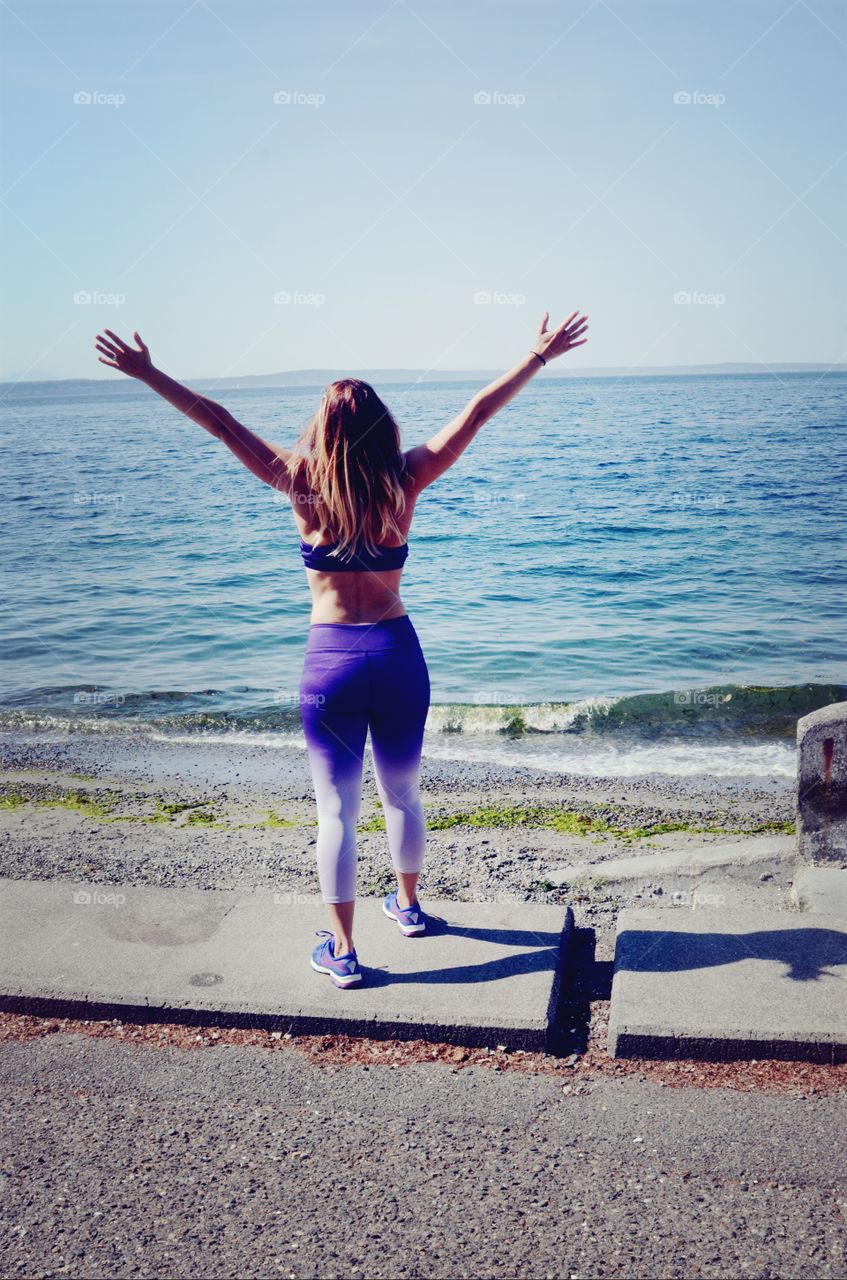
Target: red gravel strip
<point>577,1072</point>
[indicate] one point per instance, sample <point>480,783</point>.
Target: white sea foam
<point>675,759</point>
<point>234,737</point>
<point>561,755</point>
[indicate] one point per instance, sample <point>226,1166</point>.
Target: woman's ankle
<point>407,895</point>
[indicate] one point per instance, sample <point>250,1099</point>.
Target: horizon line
<point>436,375</point>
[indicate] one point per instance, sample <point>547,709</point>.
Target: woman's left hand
<point>565,338</point>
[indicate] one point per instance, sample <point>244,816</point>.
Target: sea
<point>621,576</point>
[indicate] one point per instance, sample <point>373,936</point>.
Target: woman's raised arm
<point>426,462</point>
<point>265,460</point>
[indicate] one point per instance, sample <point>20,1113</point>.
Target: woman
<point>353,493</point>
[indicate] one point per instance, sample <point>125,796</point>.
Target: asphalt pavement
<point>136,1160</point>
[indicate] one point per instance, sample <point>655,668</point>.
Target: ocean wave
<point>520,718</point>
<point>730,712</point>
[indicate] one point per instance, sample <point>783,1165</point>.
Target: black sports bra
<point>360,562</point>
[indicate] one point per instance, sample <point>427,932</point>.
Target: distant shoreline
<point>299,378</point>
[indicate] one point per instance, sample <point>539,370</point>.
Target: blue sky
<point>436,174</point>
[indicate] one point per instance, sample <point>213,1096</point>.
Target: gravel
<point>238,784</point>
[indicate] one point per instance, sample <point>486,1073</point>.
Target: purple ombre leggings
<point>355,678</point>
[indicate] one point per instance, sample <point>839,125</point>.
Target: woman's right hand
<point>550,345</point>
<point>134,363</point>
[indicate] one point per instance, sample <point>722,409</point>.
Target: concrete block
<point>822,785</point>
<point>718,985</point>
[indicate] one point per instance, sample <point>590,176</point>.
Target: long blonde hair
<point>350,459</point>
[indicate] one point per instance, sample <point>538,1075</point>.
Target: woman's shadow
<point>809,954</point>
<point>539,952</point>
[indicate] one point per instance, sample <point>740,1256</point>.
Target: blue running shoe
<point>344,970</point>
<point>410,920</point>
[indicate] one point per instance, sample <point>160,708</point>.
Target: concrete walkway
<point>722,984</point>
<point>487,974</point>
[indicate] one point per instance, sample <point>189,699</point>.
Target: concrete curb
<point>490,974</point>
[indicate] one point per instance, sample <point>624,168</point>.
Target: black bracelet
<point>541,358</point>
